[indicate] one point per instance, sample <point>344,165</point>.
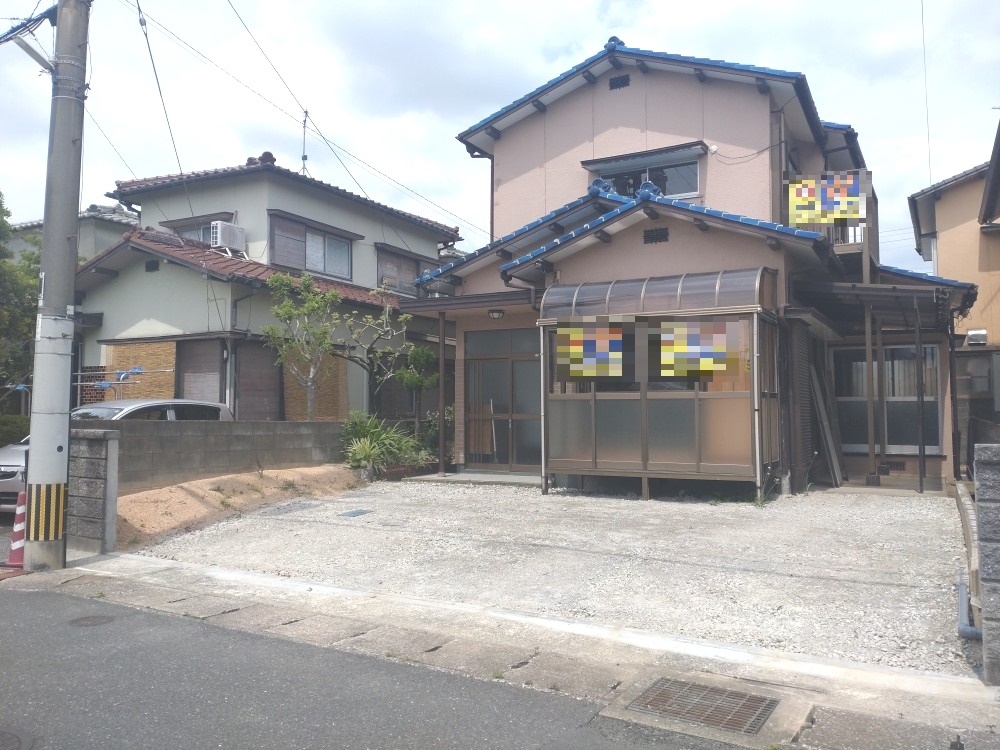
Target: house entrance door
<point>503,406</point>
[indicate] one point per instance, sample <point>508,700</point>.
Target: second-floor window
<point>398,268</point>
<point>674,181</point>
<point>308,246</point>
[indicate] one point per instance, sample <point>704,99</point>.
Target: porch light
<point>495,314</point>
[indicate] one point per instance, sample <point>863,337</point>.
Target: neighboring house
<point>639,196</point>
<point>186,301</point>
<point>955,227</point>
<point>100,228</point>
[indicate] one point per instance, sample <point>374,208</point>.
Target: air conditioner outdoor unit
<point>229,235</point>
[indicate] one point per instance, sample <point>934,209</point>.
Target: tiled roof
<point>627,205</point>
<point>488,249</point>
<point>646,196</point>
<point>200,256</point>
<point>128,189</point>
<point>918,276</point>
<point>615,45</point>
<point>954,179</point>
<point>115,214</point>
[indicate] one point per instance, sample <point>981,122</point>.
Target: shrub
<point>360,424</point>
<point>374,446</point>
<point>429,435</point>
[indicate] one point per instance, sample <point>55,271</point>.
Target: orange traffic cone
<point>16,559</point>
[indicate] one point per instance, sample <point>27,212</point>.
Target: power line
<point>166,115</point>
<point>335,148</point>
<point>927,106</point>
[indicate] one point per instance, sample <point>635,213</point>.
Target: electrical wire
<point>314,131</point>
<point>166,115</point>
<point>927,106</point>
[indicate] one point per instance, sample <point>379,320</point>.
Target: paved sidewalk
<point>419,580</point>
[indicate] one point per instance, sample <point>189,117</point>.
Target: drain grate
<point>356,512</point>
<point>706,705</point>
<point>14,739</point>
<point>91,621</point>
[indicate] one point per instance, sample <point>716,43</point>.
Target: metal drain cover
<point>715,707</point>
<point>14,739</point>
<point>89,622</point>
<point>706,705</point>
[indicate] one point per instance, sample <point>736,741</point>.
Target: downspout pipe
<point>965,628</point>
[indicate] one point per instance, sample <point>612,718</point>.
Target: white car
<point>12,457</point>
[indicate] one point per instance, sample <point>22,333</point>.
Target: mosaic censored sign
<point>602,348</point>
<point>833,198</point>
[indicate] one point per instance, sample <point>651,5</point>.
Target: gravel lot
<point>868,578</point>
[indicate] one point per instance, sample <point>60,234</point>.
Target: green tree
<point>416,378</point>
<point>304,339</point>
<point>315,325</point>
<point>19,292</point>
<point>374,342</point>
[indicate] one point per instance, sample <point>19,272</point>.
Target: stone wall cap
<point>99,434</point>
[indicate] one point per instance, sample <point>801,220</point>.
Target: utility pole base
<point>40,556</point>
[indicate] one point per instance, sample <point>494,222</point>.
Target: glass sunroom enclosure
<point>664,377</point>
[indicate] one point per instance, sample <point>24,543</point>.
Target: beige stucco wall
<point>537,161</point>
<point>689,250</point>
<point>964,253</point>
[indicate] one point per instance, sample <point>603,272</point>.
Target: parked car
<point>11,474</point>
<point>167,409</point>
<point>12,457</point>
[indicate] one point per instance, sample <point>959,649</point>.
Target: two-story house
<point>184,298</point>
<point>100,227</point>
<point>647,311</point>
<point>955,227</point>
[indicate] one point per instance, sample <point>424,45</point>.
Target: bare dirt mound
<point>147,517</point>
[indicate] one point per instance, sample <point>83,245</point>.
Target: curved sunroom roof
<point>663,294</point>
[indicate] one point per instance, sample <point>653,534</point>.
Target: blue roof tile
<point>630,204</point>
<point>621,48</point>
<point>926,277</point>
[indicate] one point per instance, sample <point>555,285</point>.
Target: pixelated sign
<point>832,198</point>
<point>590,350</point>
<point>638,349</point>
<point>698,348</point>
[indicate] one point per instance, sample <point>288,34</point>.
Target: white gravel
<point>867,578</point>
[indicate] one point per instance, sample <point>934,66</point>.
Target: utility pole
<point>48,467</point>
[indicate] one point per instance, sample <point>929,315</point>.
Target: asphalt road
<point>154,681</point>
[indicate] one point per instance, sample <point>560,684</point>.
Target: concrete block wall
<point>158,454</point>
<point>92,505</point>
<point>987,472</point>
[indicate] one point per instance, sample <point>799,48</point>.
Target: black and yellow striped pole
<point>48,459</point>
<point>47,512</point>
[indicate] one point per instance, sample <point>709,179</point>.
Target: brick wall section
<point>987,471</point>
<point>158,454</point>
<point>332,402</point>
<point>85,393</point>
<point>152,355</point>
<point>92,505</point>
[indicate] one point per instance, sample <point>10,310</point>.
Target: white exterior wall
<point>251,196</point>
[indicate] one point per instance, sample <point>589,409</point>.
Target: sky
<point>390,84</point>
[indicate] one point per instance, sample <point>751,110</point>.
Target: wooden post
<point>442,363</point>
<point>921,448</point>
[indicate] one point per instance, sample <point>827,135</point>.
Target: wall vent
<point>619,82</point>
<point>652,236</point>
<point>152,266</point>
